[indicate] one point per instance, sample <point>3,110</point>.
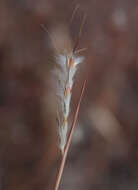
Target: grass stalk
<point>64,155</point>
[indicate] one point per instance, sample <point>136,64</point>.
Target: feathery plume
<point>67,66</point>
<point>67,63</point>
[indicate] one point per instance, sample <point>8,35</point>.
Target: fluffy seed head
<point>65,71</point>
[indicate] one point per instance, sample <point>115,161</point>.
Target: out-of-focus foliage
<point>104,151</point>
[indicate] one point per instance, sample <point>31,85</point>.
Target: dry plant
<point>65,73</point>
<point>66,67</point>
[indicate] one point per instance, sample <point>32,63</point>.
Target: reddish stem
<point>64,155</point>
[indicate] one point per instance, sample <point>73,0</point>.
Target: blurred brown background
<point>104,150</point>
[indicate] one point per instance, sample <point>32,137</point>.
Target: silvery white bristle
<point>64,72</point>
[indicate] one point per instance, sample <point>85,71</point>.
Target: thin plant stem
<point>64,155</point>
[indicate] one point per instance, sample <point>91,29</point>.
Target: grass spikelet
<point>65,72</point>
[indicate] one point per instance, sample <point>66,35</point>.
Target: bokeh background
<point>104,150</point>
